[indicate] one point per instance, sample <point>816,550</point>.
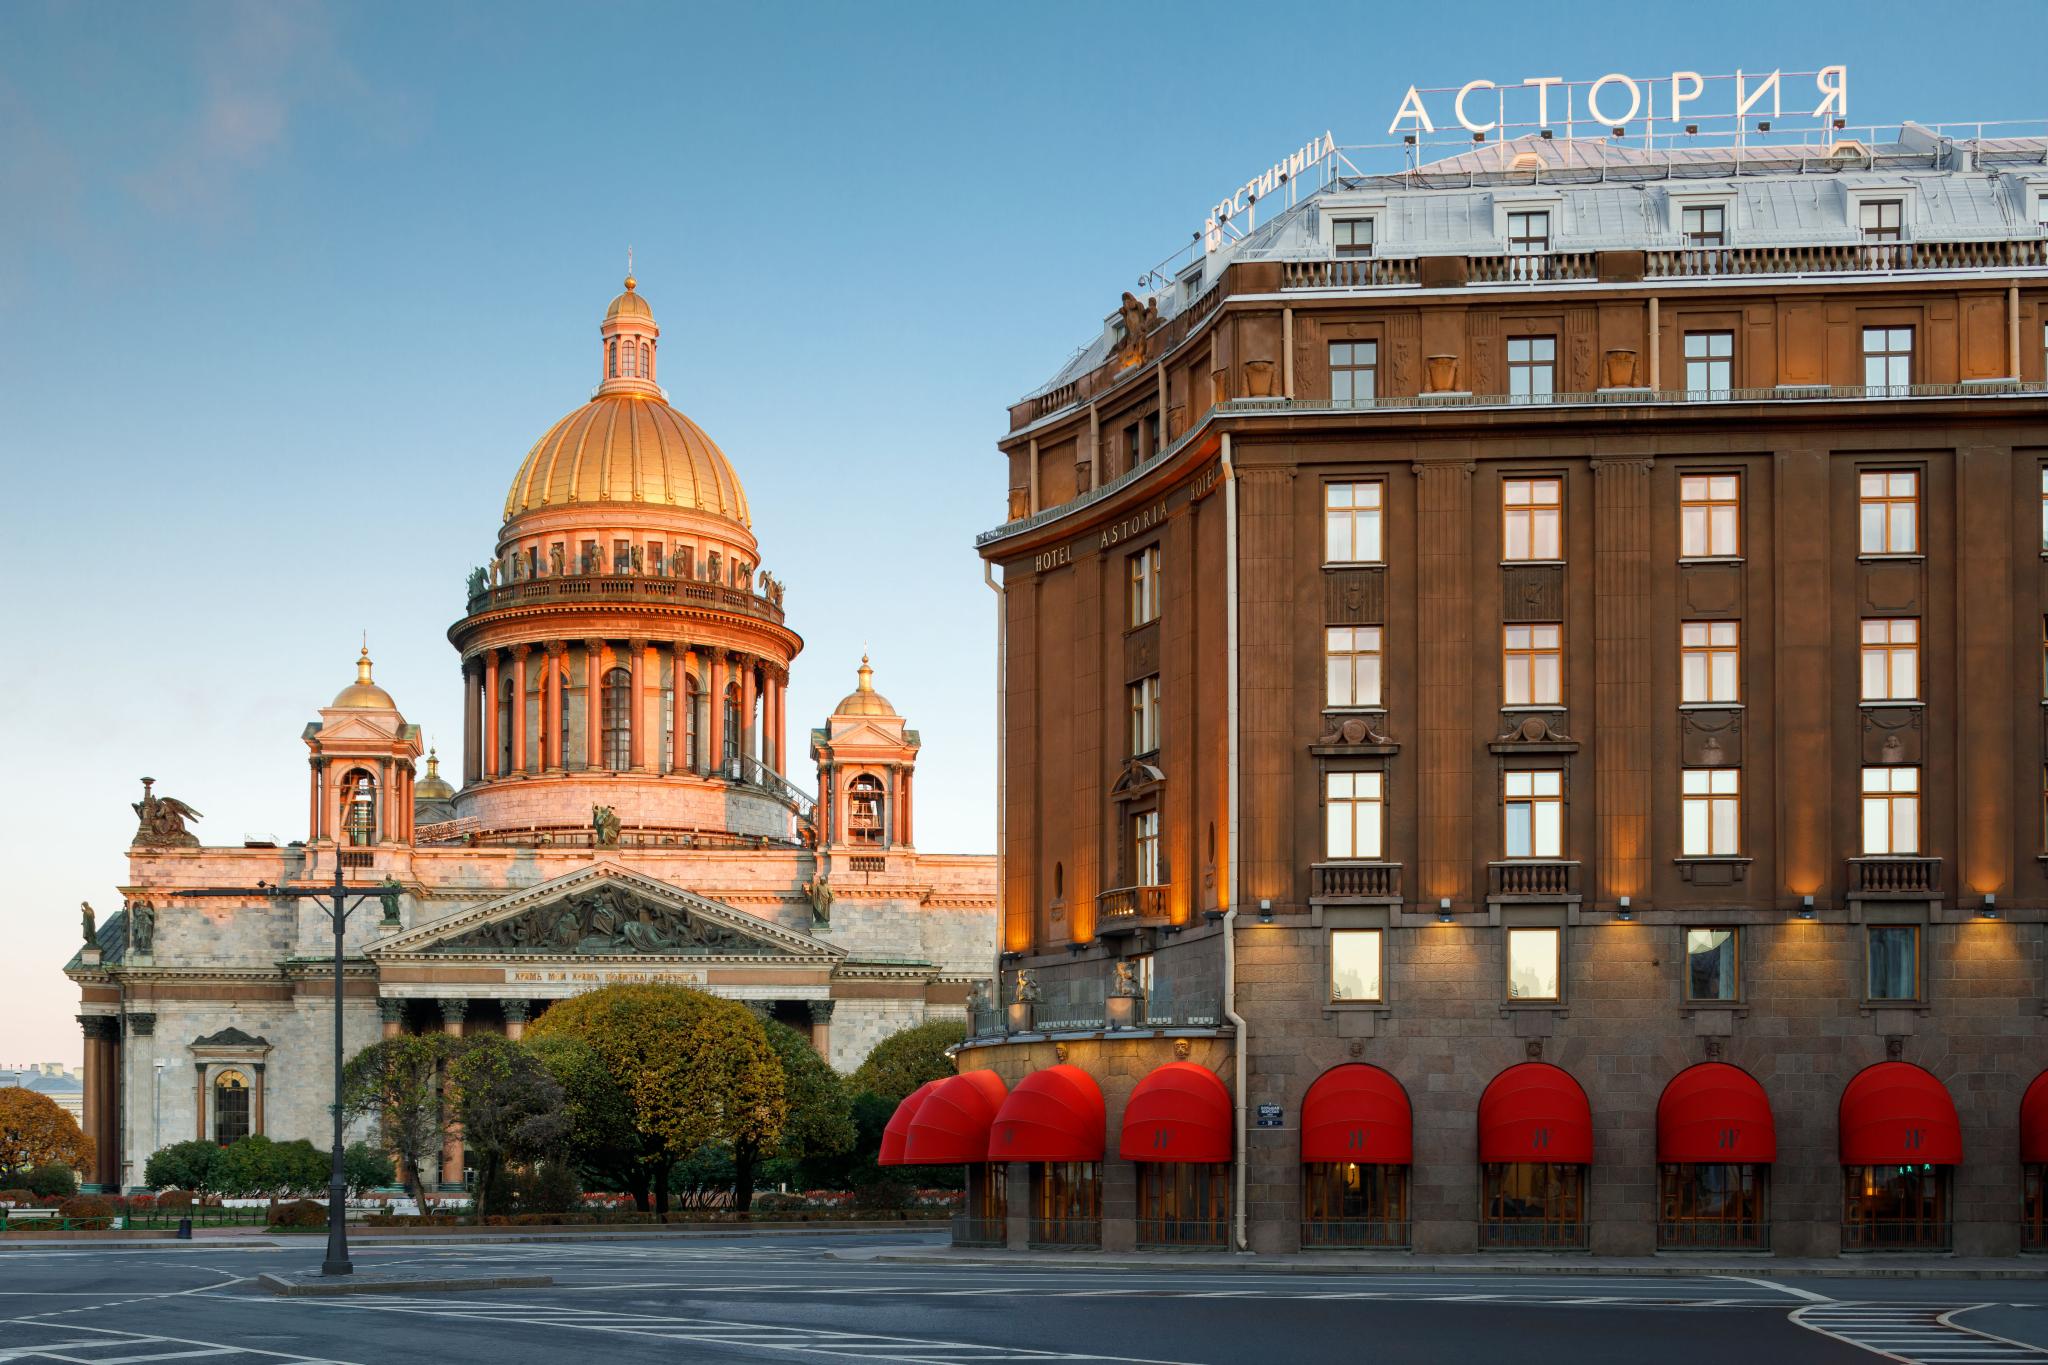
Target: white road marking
<point>1777,1287</point>
<point>1915,1335</point>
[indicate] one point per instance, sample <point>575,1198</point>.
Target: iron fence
<point>1898,1234</point>
<point>1713,1234</point>
<point>969,1231</point>
<point>1067,1232</point>
<point>1354,1232</point>
<point>1502,1235</point>
<point>1184,1232</point>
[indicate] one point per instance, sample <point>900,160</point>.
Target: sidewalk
<point>1876,1267</point>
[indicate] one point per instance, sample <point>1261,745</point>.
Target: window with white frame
<point>1532,518</point>
<point>1528,232</point>
<point>1532,803</point>
<point>1353,809</point>
<point>1144,585</point>
<point>1354,373</point>
<point>1352,235</point>
<point>1891,811</point>
<point>1532,666</point>
<point>1710,516</point>
<point>1709,661</point>
<point>1535,962</point>
<point>1355,961</point>
<point>1351,522</point>
<point>1888,512</point>
<point>1532,369</point>
<point>1353,665</point>
<point>1891,659</point>
<point>1145,715</point>
<point>1704,224</point>
<point>1145,848</point>
<point>1711,802</point>
<point>1887,359</point>
<point>1881,220</point>
<point>1709,364</point>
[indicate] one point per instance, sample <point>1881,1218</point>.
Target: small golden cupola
<point>360,757</point>
<point>866,760</point>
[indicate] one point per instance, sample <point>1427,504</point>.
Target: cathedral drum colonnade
<point>624,814</point>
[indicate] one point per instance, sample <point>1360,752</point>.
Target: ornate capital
<point>453,1009</point>
<point>1626,464</point>
<point>637,644</point>
<point>99,1027</point>
<point>393,1011</point>
<point>141,1025</point>
<point>518,1011</point>
<point>556,648</point>
<point>520,652</point>
<point>821,1011</point>
<point>761,1009</point>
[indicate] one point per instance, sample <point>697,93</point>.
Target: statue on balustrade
<point>639,560</point>
<point>87,922</point>
<point>478,580</point>
<point>555,562</point>
<point>160,820</point>
<point>711,562</point>
<point>604,824</point>
<point>141,927</point>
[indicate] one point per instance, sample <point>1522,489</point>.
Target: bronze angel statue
<point>160,820</point>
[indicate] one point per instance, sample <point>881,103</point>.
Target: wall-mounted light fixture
<point>1763,125</point>
<point>1806,907</point>
<point>1624,912</point>
<point>1989,910</point>
<point>1213,916</point>
<point>1546,134</point>
<point>1692,130</point>
<point>1443,910</point>
<point>1409,140</point>
<point>1620,131</point>
<point>1479,137</point>
<point>1265,912</point>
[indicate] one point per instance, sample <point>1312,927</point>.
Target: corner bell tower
<point>362,760</point>
<point>866,758</point>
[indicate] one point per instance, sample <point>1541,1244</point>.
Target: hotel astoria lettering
<point>1616,100</point>
<point>1132,526</point>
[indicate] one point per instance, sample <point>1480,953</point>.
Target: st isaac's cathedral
<point>622,816</point>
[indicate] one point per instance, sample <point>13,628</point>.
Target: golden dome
<point>362,694</point>
<point>629,304</point>
<point>631,448</point>
<point>433,787</point>
<point>864,700</point>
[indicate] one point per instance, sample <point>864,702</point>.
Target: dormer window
<point>1704,225</point>
<point>1352,235</point>
<point>1529,233</point>
<point>1881,220</point>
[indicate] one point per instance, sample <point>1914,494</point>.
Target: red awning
<point>2034,1122</point>
<point>1180,1112</point>
<point>1715,1113</point>
<point>898,1131</point>
<point>951,1126</point>
<point>1356,1112</point>
<point>1895,1114</point>
<point>1053,1115</point>
<point>1535,1112</point>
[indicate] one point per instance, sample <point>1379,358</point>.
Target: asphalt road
<point>781,1298</point>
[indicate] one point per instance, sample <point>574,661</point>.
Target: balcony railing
<point>1130,907</point>
<point>1535,879</point>
<point>589,589</point>
<point>1532,267</point>
<point>1066,1232</point>
<point>1183,1232</point>
<point>1356,881</point>
<point>1354,1232</point>
<point>1531,1235</point>
<point>1368,272</point>
<point>1898,1234</point>
<point>1894,876</point>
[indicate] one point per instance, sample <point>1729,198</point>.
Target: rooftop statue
<point>141,927</point>
<point>161,820</point>
<point>604,824</point>
<point>92,938</point>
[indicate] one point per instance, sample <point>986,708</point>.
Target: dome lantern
<point>631,338</point>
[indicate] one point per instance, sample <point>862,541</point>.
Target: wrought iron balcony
<point>1894,876</point>
<point>1356,882</point>
<point>1130,907</point>
<point>1537,879</point>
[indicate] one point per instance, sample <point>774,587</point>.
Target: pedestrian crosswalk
<point>32,1342</point>
<point>1915,1334</point>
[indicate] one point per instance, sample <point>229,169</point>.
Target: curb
<point>1281,1265</point>
<point>309,1289</point>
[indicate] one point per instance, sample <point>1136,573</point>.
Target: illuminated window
<point>1354,964</point>
<point>1532,666</point>
<point>1534,962</point>
<point>1353,665</point>
<point>1886,1208</point>
<point>1532,369</point>
<point>1350,1203</point>
<point>1888,509</point>
<point>1891,660</point>
<point>1144,584</point>
<point>1709,661</point>
<point>1144,696</point>
<point>230,1107</point>
<point>1713,964</point>
<point>1145,849</point>
<point>1351,522</point>
<point>1887,359</point>
<point>1891,811</point>
<point>1532,804</point>
<point>1354,373</point>
<point>1536,1205</point>
<point>1709,364</point>
<point>1709,515</point>
<point>1532,514</point>
<point>1723,1205</point>
<point>1066,1201</point>
<point>1894,958</point>
<point>1352,235</point>
<point>618,719</point>
<point>1881,220</point>
<point>1704,225</point>
<point>1711,816</point>
<point>1353,811</point>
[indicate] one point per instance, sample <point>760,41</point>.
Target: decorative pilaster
<point>199,1105</point>
<point>491,715</point>
<point>1621,674</point>
<point>715,757</point>
<point>452,1011</point>
<point>519,653</point>
<point>472,721</point>
<point>551,758</point>
<point>821,1027</point>
<point>141,1025</point>
<point>393,1013</point>
<point>636,709</point>
<point>256,1101</point>
<point>593,703</point>
<point>748,731</point>
<point>1444,680</point>
<point>517,1012</point>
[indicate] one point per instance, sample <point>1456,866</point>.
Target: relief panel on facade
<point>1711,589</point>
<point>1532,592</point>
<point>1141,652</point>
<point>1355,597</point>
<point>1890,585</point>
<point>1711,737</point>
<point>1891,734</point>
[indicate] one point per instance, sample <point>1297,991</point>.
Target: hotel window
<point>1705,225</point>
<point>1887,359</point>
<point>1532,369</point>
<point>1354,665</point>
<point>1532,666</point>
<point>1351,1203</point>
<point>1534,959</point>
<point>1713,964</point>
<point>1712,806</point>
<point>1709,364</point>
<point>1133,454</point>
<point>1709,661</point>
<point>1354,964</point>
<point>1889,513</point>
<point>1152,442</point>
<point>1891,660</point>
<point>1354,373</point>
<point>1144,585</point>
<point>1891,812</point>
<point>1352,235</point>
<point>1145,849</point>
<point>1529,233</point>
<point>1351,522</point>
<point>1353,815</point>
<point>1066,1203</point>
<point>1709,516</point>
<point>1882,220</point>
<point>1894,959</point>
<point>1183,1203</point>
<point>1897,1208</point>
<point>1532,513</point>
<point>1533,808</point>
<point>1145,715</point>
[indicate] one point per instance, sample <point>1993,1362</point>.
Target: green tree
<point>905,1060</point>
<point>365,1168</point>
<point>512,1113</point>
<point>189,1165</point>
<point>603,1145</point>
<point>693,1069</point>
<point>255,1167</point>
<point>53,1180</point>
<point>820,1122</point>
<point>397,1081</point>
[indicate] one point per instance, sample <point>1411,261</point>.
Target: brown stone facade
<point>1233,496</point>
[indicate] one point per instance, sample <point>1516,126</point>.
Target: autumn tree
<point>35,1131</point>
<point>694,1070</point>
<point>397,1081</point>
<point>820,1122</point>
<point>512,1112</point>
<point>907,1059</point>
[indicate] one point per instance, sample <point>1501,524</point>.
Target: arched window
<point>693,724</point>
<point>646,362</point>
<point>864,810</point>
<point>508,700</point>
<point>611,350</point>
<point>359,808</point>
<point>732,730</point>
<point>618,719</point>
<point>230,1107</point>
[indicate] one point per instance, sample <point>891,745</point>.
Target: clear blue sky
<point>286,292</point>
